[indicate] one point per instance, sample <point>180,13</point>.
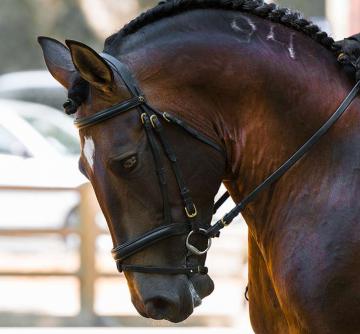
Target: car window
<point>59,138</point>
<point>9,144</point>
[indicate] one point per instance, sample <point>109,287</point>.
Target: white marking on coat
<point>251,24</point>
<point>291,47</point>
<point>271,35</point>
<point>89,151</point>
<point>249,32</point>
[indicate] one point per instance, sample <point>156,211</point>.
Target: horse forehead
<point>88,150</point>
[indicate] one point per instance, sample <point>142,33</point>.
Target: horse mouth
<point>173,298</point>
<point>196,299</point>
<point>202,285</point>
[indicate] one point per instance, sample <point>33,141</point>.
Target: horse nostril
<point>159,308</point>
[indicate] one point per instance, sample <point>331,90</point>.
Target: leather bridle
<point>151,120</point>
<point>155,136</point>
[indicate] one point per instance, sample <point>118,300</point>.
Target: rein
<point>150,119</point>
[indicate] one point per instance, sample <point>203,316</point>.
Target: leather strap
<point>125,250</point>
<point>191,270</point>
<point>189,205</point>
<point>193,132</point>
<point>124,73</point>
<point>221,201</point>
<point>82,123</point>
<point>159,167</point>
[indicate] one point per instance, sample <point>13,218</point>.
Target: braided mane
<point>272,12</point>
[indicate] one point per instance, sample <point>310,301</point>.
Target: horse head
<point>151,185</point>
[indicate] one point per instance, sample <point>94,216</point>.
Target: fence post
<point>88,232</point>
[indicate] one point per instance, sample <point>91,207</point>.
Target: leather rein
<point>150,119</point>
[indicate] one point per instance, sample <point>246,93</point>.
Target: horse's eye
<point>124,165</point>
<point>129,163</point>
<point>70,106</point>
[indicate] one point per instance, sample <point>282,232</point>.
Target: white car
<point>39,148</point>
<point>32,86</point>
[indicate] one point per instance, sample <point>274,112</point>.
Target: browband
<point>82,123</point>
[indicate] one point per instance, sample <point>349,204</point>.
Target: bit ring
<point>192,248</point>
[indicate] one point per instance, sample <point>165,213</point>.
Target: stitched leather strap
<point>196,134</point>
<point>125,250</point>
<point>159,166</point>
<point>164,270</point>
<point>82,123</point>
<point>184,190</point>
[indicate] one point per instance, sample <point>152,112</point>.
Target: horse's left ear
<point>91,66</point>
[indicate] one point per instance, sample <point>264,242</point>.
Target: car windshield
<point>59,138</point>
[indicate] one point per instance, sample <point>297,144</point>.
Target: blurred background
<point>55,262</point>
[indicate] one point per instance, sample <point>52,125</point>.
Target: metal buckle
<point>152,120</point>
<point>191,215</point>
<point>192,248</point>
<point>341,56</point>
<point>142,116</point>
<point>165,115</point>
<point>224,222</point>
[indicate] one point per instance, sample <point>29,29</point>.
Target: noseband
<point>151,120</point>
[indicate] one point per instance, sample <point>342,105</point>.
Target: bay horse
<point>240,86</point>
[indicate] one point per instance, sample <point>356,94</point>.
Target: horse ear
<point>58,60</point>
<point>91,66</point>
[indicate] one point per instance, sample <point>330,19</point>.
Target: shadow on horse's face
<point>127,166</point>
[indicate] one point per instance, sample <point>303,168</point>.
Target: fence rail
<point>87,230</point>
<point>87,274</point>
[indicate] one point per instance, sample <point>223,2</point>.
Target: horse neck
<point>285,97</point>
<point>261,92</point>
